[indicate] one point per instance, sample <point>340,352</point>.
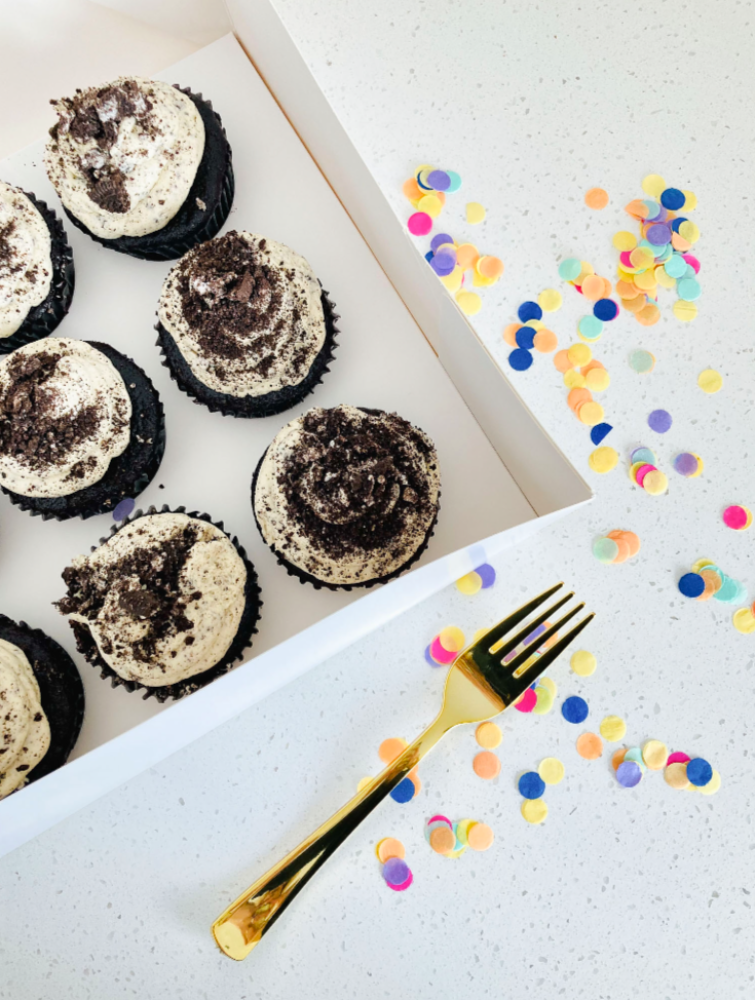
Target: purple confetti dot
<point>443,262</point>
<point>686,464</point>
<point>430,660</point>
<point>659,421</point>
<point>629,774</point>
<point>439,240</point>
<point>123,509</point>
<point>395,871</point>
<point>486,574</point>
<point>439,180</point>
<point>659,235</point>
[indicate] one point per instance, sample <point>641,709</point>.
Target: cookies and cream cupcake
<point>347,496</point>
<point>36,269</point>
<point>42,701</point>
<point>165,604</point>
<point>142,167</point>
<point>81,428</point>
<point>245,326</point>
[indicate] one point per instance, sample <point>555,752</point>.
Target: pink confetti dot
<point>439,654</point>
<point>527,701</point>
<point>735,517</point>
<point>692,261</point>
<point>677,757</point>
<point>420,224</point>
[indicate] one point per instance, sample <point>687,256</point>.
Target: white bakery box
<point>404,346</point>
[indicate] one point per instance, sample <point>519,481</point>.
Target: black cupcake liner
<point>318,584</point>
<point>251,406</point>
<point>60,688</point>
<point>128,474</point>
<point>213,186</point>
<point>46,317</point>
<point>243,640</point>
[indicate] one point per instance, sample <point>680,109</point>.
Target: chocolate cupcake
<point>141,167</point>
<point>43,705</point>
<point>81,428</point>
<point>244,326</point>
<point>165,605</point>
<point>36,269</point>
<point>347,497</point>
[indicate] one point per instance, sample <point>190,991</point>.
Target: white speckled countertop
<point>620,894</point>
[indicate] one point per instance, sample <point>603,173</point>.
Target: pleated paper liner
<point>213,188</point>
<point>46,317</point>
<point>304,577</point>
<point>128,474</point>
<point>242,641</point>
<point>251,406</point>
<point>60,688</point>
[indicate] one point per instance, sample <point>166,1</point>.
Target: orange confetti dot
<point>509,334</point>
<point>389,847</point>
<point>592,287</point>
<point>545,341</point>
<point>576,397</point>
<point>589,746</point>
<point>390,749</point>
<point>649,314</point>
<point>442,839</point>
<point>636,304</point>
<point>480,837</point>
<point>467,255</point>
<point>591,366</point>
<point>562,362</point>
<point>490,267</point>
<point>625,289</point>
<point>412,190</point>
<point>618,757</point>
<point>486,765</point>
<point>596,198</point>
<point>637,208</point>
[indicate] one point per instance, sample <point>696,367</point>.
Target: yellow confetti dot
<point>710,380</point>
<point>475,213</point>
<point>480,281</point>
<point>550,299</point>
<point>646,281</point>
<point>744,621</point>
<point>613,728</point>
<point>534,810</point>
<point>551,770</point>
<point>488,735</point>
<point>700,563</point>
<point>604,459</point>
<point>430,204</point>
<point>655,754</point>
<point>574,379</point>
<point>597,380</point>
<point>624,240</point>
<point>363,783</point>
<point>470,583</point>
<point>654,185</point>
<point>544,702</point>
<point>469,302</point>
<point>700,467</point>
<point>711,788</point>
<point>579,354</point>
<point>451,638</point>
<point>655,483</point>
<point>547,682</point>
<point>690,201</point>
<point>689,231</point>
<point>663,278</point>
<point>583,663</point>
<point>452,281</point>
<point>591,413</point>
<point>676,776</point>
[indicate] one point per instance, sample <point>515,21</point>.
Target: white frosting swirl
<point>25,736</point>
<point>272,336</point>
<point>213,569</point>
<point>25,261</point>
<point>154,153</point>
<point>74,387</point>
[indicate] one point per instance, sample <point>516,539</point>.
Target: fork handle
<point>240,928</point>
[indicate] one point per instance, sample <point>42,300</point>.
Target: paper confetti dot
<point>590,327</point>
<point>686,464</point>
<point>655,483</point>
<point>420,224</point>
<point>486,765</point>
<point>531,785</point>
<point>550,299</point>
<point>589,746</point>
<point>404,791</point>
<point>430,204</point>
<point>480,837</point>
<point>391,748</point>
<point>628,774</point>
<point>525,337</point>
<point>488,735</point>
<point>596,198</point>
<point>574,709</point>
<point>599,432</point>
<point>676,776</point>
<point>486,574</point>
<point>605,309</point>
<point>684,311</point>
<point>439,180</point>
<point>439,654</point>
<point>396,872</point>
<point>710,381</point>
<point>736,517</point>
<point>744,621</point>
<point>528,311</point>
<point>520,360</point>
<point>677,757</point>
<point>618,757</point>
<point>624,241</point>
<point>641,361</point>
<point>570,269</point>
<point>469,302</point>
<point>544,700</point>
<point>604,459</point>
<point>534,810</point>
<point>451,639</point>
<point>389,848</point>
<point>655,754</point>
<point>475,213</point>
<point>526,701</point>
<point>653,185</point>
<point>470,583</point>
<point>699,772</point>
<point>583,663</point>
<point>442,839</point>
<point>551,770</point>
<point>613,728</point>
<point>659,421</point>
<point>590,413</point>
<point>713,785</point>
<point>605,550</point>
<point>691,585</point>
<point>545,341</point>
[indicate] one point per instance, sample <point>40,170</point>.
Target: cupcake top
<point>123,156</point>
<point>162,597</point>
<point>348,495</point>
<point>25,261</point>
<point>25,735</point>
<point>246,314</point>
<point>65,414</point>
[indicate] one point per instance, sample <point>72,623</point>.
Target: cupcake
<point>81,428</point>
<point>166,604</point>
<point>43,705</point>
<point>141,167</point>
<point>347,497</point>
<point>244,325</point>
<point>36,269</point>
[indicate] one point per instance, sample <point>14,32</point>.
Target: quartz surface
<point>621,893</point>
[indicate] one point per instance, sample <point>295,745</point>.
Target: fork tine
<point>503,648</point>
<point>521,658</point>
<point>498,631</point>
<point>545,660</point>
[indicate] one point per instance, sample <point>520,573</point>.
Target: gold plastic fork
<point>479,686</point>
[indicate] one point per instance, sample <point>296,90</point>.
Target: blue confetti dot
<point>123,509</point>
<point>699,771</point>
<point>575,709</point>
<point>600,431</point>
<point>691,585</point>
<point>673,199</point>
<point>529,310</point>
<point>675,223</point>
<point>520,360</point>
<point>531,785</point>
<point>605,309</point>
<point>424,187</point>
<point>404,791</point>
<point>525,337</point>
<point>429,256</point>
<point>486,574</point>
